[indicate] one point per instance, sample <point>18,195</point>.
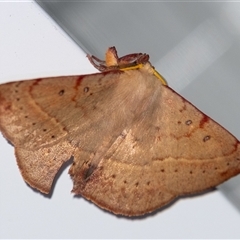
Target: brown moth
<point>136,143</point>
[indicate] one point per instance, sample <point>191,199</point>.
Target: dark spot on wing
<point>61,92</point>
<point>206,138</point>
<point>88,172</point>
<point>204,120</point>
<point>86,89</point>
<point>188,122</point>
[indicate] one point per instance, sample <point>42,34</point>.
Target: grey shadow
<point>231,190</point>
<point>154,213</point>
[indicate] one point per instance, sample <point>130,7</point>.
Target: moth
<point>136,144</point>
